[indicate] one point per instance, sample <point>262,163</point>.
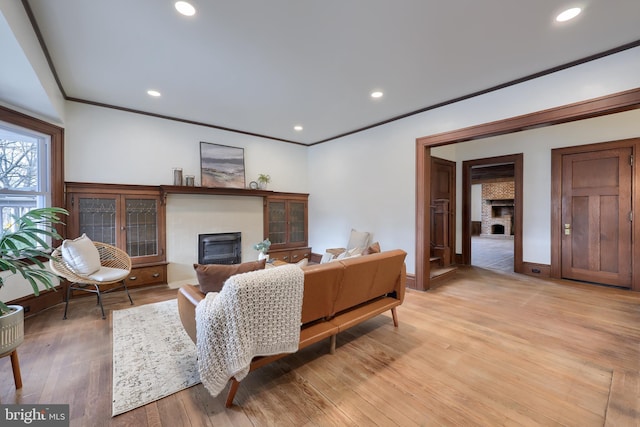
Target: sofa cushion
<point>211,277</point>
<point>81,255</point>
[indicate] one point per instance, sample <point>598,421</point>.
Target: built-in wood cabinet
<point>130,217</point>
<point>286,226</point>
<point>291,255</point>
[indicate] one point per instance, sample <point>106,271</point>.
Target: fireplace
<point>219,248</point>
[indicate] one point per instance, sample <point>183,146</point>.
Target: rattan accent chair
<point>115,267</point>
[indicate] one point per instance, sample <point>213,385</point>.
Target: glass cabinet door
<point>141,219</point>
<point>297,216</point>
<point>131,222</point>
<point>97,218</point>
<point>277,222</point>
<point>286,222</point>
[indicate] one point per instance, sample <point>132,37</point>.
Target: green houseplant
<point>263,180</point>
<point>23,245</point>
<point>263,248</point>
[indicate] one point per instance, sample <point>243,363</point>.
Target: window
<point>24,172</point>
<point>50,164</point>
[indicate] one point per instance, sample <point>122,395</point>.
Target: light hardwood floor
<point>486,348</point>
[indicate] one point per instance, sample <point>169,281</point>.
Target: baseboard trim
<point>35,304</point>
<point>411,281</point>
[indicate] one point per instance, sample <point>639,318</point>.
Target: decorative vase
<point>262,185</point>
<point>11,329</point>
<point>262,255</point>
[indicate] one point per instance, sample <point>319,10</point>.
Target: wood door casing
<point>595,219</point>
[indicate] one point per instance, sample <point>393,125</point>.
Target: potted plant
<point>263,248</point>
<point>263,180</point>
<point>23,245</point>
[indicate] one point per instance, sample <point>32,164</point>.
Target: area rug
<point>153,357</point>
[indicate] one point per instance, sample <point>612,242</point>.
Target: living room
<point>365,180</point>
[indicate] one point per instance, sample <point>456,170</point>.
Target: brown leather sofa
<point>337,296</point>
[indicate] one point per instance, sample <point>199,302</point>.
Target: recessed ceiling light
<point>185,8</point>
<point>298,128</point>
<point>376,94</point>
<point>153,92</point>
<point>568,14</point>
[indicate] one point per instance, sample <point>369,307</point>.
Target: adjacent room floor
<point>494,253</point>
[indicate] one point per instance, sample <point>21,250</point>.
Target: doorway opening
<point>492,191</point>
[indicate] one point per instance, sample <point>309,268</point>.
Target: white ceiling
<point>264,66</point>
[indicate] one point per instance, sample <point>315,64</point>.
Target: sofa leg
<point>332,346</point>
<point>395,317</point>
<point>232,392</point>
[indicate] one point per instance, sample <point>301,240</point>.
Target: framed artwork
<point>221,166</point>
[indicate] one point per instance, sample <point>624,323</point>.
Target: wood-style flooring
<point>483,349</point>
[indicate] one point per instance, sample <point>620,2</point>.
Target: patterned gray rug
<point>153,357</point>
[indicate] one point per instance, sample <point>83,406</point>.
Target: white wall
<point>367,180</point>
<point>110,146</point>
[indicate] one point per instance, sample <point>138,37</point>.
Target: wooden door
<point>596,216</point>
<point>443,209</point>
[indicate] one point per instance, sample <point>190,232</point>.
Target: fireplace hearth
<point>220,248</point>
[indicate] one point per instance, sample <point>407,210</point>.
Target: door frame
<point>517,160</point>
<point>556,203</point>
<point>595,107</point>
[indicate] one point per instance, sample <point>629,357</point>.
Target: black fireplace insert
<point>219,248</point>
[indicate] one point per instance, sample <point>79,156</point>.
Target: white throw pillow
<point>81,255</point>
<point>326,258</point>
<point>358,239</point>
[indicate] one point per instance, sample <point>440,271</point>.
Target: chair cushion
<point>211,277</point>
<point>358,239</point>
<point>81,255</point>
<point>108,274</point>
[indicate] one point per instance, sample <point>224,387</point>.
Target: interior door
<point>443,209</point>
<point>596,216</point>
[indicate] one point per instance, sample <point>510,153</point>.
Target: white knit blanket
<point>255,314</point>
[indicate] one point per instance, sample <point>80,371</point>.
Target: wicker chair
<point>115,267</point>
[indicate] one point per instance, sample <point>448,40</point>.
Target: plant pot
<point>11,329</point>
<point>262,256</point>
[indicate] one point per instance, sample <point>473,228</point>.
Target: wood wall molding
<point>596,107</point>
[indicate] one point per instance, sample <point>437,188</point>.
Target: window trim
<point>56,135</point>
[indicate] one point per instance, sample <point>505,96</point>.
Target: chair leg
<point>66,306</point>
<point>127,291</point>
<point>100,300</point>
<point>15,365</point>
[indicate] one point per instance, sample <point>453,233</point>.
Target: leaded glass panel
<point>142,227</point>
<point>97,218</point>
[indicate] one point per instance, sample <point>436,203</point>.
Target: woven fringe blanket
<point>255,314</point>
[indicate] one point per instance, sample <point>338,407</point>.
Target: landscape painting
<point>221,166</point>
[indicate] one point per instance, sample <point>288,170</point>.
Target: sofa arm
<point>402,283</point>
<point>188,298</point>
<point>336,251</point>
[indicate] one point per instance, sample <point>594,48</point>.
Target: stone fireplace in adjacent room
<point>498,209</point>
